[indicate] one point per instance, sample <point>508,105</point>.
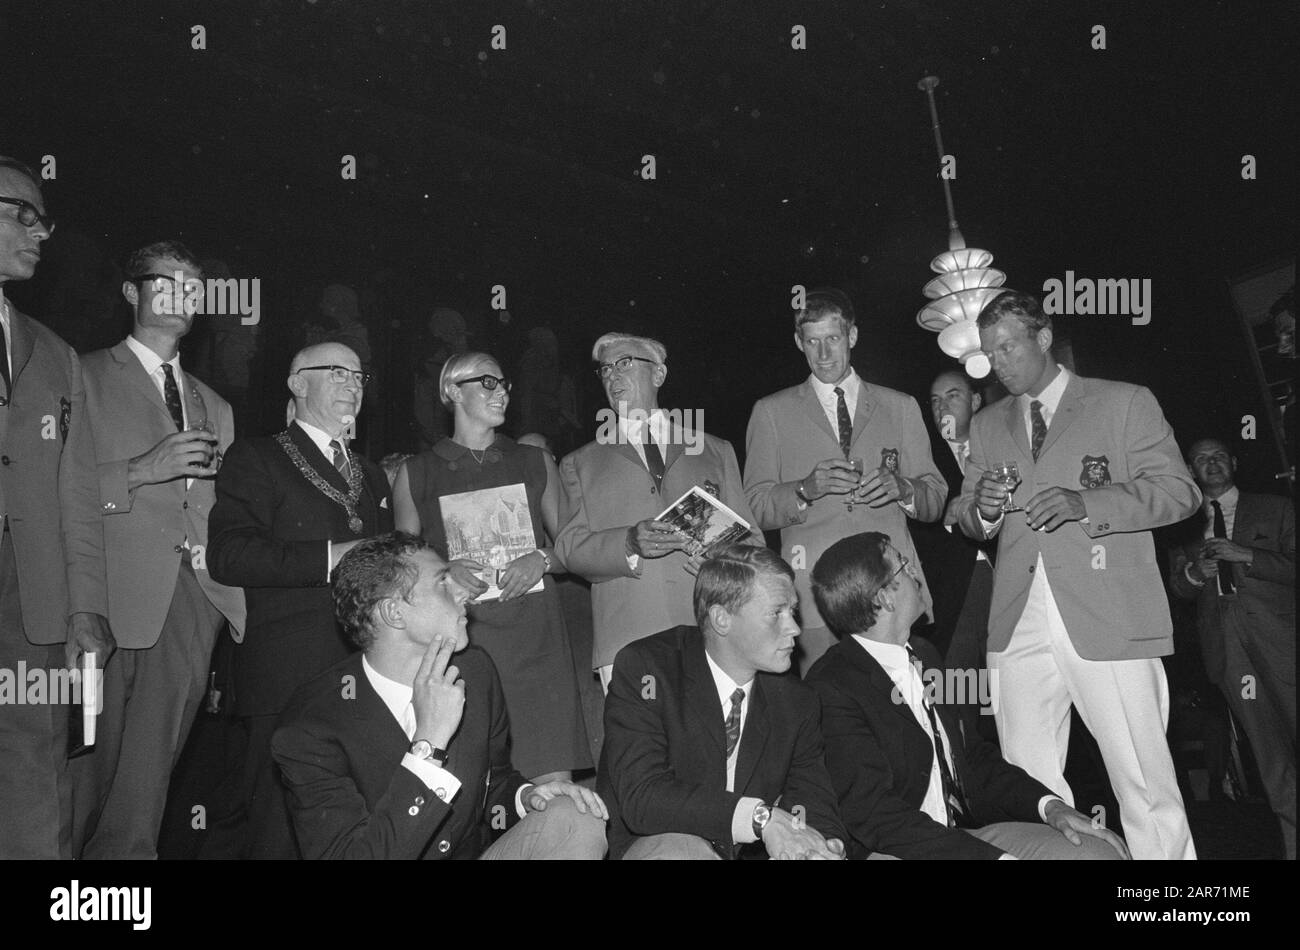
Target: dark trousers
<point>254,820</point>
<point>966,650</point>
<point>151,697</point>
<point>35,787</point>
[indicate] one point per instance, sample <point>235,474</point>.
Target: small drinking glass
<point>858,467</point>
<point>203,425</point>
<point>1008,473</point>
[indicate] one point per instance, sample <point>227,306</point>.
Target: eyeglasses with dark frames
<point>28,215</point>
<point>343,375</point>
<point>488,381</point>
<point>622,364</point>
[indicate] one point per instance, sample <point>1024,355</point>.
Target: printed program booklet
<point>492,526</point>
<point>708,523</point>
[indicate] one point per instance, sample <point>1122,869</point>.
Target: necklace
<point>477,456</point>
<point>355,482</point>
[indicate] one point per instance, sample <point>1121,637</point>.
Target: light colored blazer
<point>144,530</point>
<point>607,489</point>
<point>789,434</point>
<point>47,484</point>
<point>1110,442</point>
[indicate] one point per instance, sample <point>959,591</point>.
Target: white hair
<point>657,349</point>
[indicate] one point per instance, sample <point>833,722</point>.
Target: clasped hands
<point>875,488</point>
<point>789,838</point>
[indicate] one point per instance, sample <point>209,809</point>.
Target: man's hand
<point>1204,568</point>
<point>789,839</point>
<point>652,539</point>
<point>882,486</point>
<point>521,574</point>
<point>179,455</point>
<point>1221,549</point>
<point>830,477</point>
<point>1054,507</point>
<point>88,633</point>
<point>1073,823</point>
<point>990,494</point>
<point>466,573</point>
<point>437,694</point>
<point>585,799</point>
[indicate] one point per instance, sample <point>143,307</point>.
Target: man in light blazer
<point>641,462</point>
<point>156,468</point>
<point>798,473</point>
<point>1240,571</point>
<point>1078,614</point>
<point>53,607</point>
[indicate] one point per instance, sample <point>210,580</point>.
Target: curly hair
<point>376,569</point>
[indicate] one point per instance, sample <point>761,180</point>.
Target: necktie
<point>845,423</point>
<point>952,794</point>
<point>1226,585</point>
<point>4,364</point>
<point>654,459</point>
<point>338,458</point>
<point>733,721</point>
<point>172,396</point>
<point>1040,427</point>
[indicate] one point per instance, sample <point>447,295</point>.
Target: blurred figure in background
<point>447,338</point>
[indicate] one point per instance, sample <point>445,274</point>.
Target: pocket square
<point>383,503</point>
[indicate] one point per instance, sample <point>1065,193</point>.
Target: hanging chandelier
<point>965,283</point>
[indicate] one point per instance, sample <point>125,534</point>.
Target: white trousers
<point>1124,704</point>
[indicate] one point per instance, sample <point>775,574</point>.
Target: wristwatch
<point>798,493</point>
<point>424,749</point>
<point>762,815</point>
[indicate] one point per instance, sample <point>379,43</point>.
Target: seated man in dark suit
<point>397,753</point>
<point>911,782</point>
<point>707,750</point>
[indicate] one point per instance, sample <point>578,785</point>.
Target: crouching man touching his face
<point>710,753</point>
<point>399,752</point>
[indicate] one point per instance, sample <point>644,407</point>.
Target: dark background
<point>775,167</point>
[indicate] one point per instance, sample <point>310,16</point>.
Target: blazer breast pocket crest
<point>1096,471</point>
<point>889,460</point>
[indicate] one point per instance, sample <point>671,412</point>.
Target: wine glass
<point>204,425</point>
<point>858,468</point>
<point>1008,473</point>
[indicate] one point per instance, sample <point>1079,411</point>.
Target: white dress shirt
<point>851,384</point>
<point>4,328</point>
<point>742,819</point>
<point>153,364</point>
<point>629,431</point>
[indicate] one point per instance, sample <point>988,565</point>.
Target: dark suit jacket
<point>879,759</point>
<point>1262,612</point>
<point>49,492</point>
<point>267,533</point>
<point>947,556</point>
<point>663,767</point>
<point>340,753</point>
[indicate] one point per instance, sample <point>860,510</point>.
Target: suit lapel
<point>862,414</point>
<point>881,684</point>
<point>368,708</point>
<point>673,450</point>
<point>136,377</point>
<point>21,343</point>
<point>1243,521</point>
<point>1067,410</point>
<point>754,736</point>
<point>702,695</point>
<point>814,410</point>
<point>1016,426</point>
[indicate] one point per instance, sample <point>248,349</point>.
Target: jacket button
<point>444,846</point>
<point>652,491</point>
<point>4,460</point>
<point>1031,568</point>
<point>412,811</point>
<point>185,504</point>
<point>110,505</point>
<point>419,799</point>
<point>179,549</point>
<point>441,793</point>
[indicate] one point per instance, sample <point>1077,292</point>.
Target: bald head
<point>952,403</point>
<point>319,399</point>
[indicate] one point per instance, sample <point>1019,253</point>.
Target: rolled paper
<point>89,697</point>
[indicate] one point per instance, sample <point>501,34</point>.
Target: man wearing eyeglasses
<point>53,605</point>
<point>288,508</point>
<point>641,577</point>
<point>159,434</point>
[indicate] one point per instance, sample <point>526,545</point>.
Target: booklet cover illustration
<point>492,526</point>
<point>708,523</point>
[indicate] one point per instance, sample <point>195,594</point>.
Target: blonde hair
<point>456,366</point>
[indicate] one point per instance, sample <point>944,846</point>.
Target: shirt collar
<point>1227,501</point>
<point>891,656</point>
<point>725,685</point>
<point>152,361</point>
<point>321,438</point>
<point>396,696</point>
<point>1051,396</point>
<point>826,391</point>
<point>630,429</point>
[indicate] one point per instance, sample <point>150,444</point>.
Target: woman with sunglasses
<point>523,632</point>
